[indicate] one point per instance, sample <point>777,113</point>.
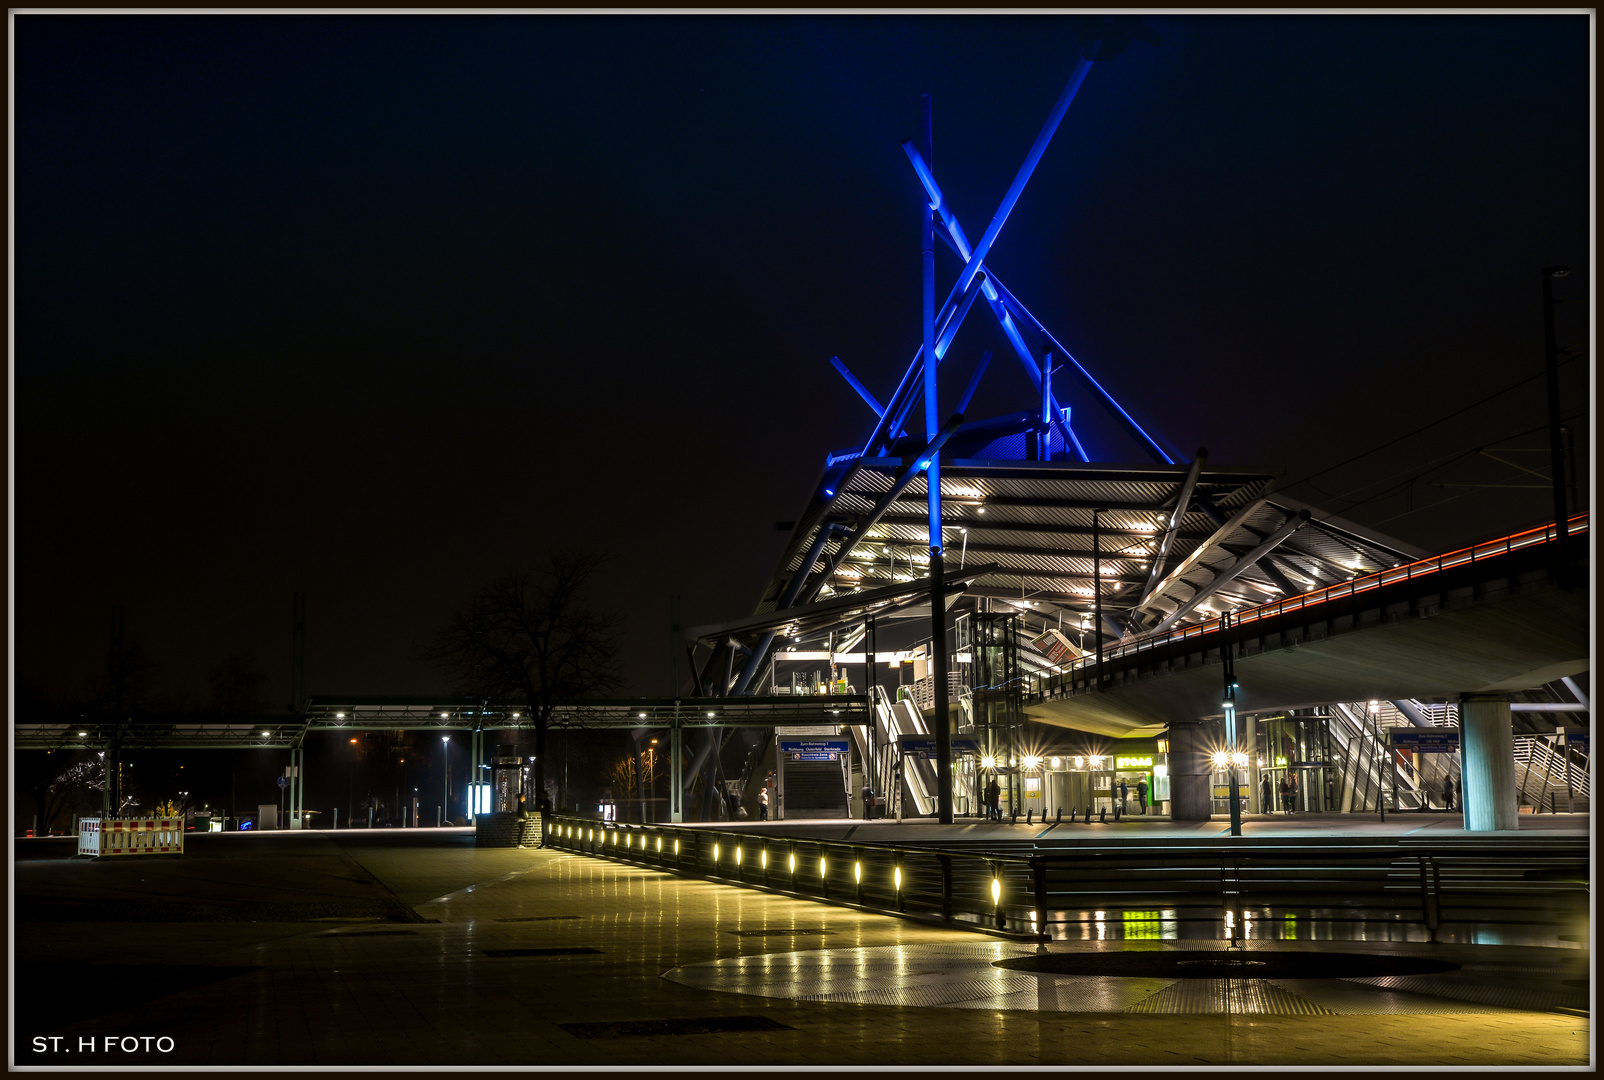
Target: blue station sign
<point>924,746</point>
<point>1427,741</point>
<point>813,749</point>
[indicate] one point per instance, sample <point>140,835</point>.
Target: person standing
<point>1448,793</point>
<point>1286,793</point>
<point>763,803</point>
<point>1266,795</point>
<point>993,801</point>
<point>868,801</point>
<point>1124,794</point>
<point>1141,794</point>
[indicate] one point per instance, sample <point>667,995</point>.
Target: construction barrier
<point>131,836</point>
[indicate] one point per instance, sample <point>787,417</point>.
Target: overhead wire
<point>1428,426</point>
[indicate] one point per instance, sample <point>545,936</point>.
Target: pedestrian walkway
<point>927,830</point>
<point>541,957</point>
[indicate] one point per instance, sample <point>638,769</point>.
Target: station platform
<point>444,954</point>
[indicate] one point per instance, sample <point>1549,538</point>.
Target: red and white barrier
<point>131,836</point>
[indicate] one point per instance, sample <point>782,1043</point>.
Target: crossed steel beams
<point>366,713</point>
<point>976,280</point>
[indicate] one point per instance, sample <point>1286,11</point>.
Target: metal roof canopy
<point>1032,521</point>
<point>848,609</point>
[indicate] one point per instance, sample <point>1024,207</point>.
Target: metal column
<point>938,598</point>
<point>676,766</point>
<point>1487,745</point>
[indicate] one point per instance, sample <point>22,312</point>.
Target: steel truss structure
<point>355,713</point>
<point>1116,548</point>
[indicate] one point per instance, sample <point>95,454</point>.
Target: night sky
<point>375,308</point>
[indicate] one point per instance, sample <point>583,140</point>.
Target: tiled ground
<point>394,993</point>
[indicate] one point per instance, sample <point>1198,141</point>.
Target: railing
<point>1362,584</point>
<point>995,893</point>
<point>1027,892</point>
<point>923,691</point>
<point>1560,773</point>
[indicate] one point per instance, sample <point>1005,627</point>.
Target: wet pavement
<point>460,956</point>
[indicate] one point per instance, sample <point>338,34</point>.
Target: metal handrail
<point>881,877</point>
<point>1577,523</point>
<point>1015,893</point>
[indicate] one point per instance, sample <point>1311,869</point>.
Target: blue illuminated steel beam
<point>1119,413</point>
<point>1000,218</point>
<point>967,277</point>
<point>863,391</point>
<point>933,350</point>
<point>911,467</point>
<point>955,238</point>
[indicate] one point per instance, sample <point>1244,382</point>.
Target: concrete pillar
<point>1487,747</point>
<point>1191,768</point>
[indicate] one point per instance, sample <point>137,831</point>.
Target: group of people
<point>1288,790</point>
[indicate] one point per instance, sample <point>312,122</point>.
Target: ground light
<point>715,854</point>
<point>737,857</point>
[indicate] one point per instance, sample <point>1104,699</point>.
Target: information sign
<point>1427,741</point>
<point>924,746</point>
<point>813,749</point>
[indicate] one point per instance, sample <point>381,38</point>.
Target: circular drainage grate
<point>1177,964</point>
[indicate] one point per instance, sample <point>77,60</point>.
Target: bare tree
<point>534,637</point>
<point>57,784</point>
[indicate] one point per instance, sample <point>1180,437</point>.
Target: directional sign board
<point>283,781</point>
<point>1427,741</point>
<point>924,746</point>
<point>812,749</point>
<point>1578,739</point>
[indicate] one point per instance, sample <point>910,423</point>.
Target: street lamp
<point>446,759</point>
<point>350,790</point>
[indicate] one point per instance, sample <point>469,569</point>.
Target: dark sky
<point>377,307</point>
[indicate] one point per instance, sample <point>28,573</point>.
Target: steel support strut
<point>938,585</point>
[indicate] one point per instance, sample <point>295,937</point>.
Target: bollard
<point>1088,815</point>
<point>1059,820</point>
<point>1071,815</point>
<point>1029,815</point>
<point>1101,818</point>
<point>1014,820</point>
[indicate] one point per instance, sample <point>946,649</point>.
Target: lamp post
<point>350,790</point>
<point>650,785</point>
<point>1228,657</point>
<point>446,758</point>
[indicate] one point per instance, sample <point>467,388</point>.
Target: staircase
<point>815,789</point>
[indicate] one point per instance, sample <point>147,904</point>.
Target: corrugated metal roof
<point>1034,520</point>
